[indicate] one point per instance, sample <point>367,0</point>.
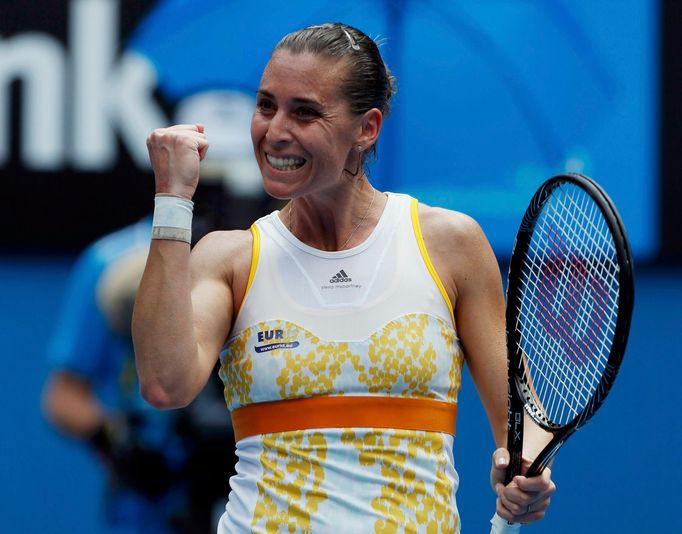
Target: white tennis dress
<point>370,321</point>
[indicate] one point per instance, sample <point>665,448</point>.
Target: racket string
<point>538,333</point>
<point>567,325</point>
<point>551,371</point>
<point>570,291</point>
<point>577,358</point>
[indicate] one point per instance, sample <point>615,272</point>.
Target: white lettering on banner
<point>133,108</point>
<point>36,60</point>
<point>107,96</point>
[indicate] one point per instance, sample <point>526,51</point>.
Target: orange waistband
<point>344,411</point>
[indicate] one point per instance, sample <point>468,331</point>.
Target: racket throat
<point>547,454</point>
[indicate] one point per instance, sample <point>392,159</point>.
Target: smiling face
<point>302,130</point>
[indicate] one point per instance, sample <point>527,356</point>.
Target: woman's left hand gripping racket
<point>570,296</point>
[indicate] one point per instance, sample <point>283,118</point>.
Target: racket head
<point>570,296</point>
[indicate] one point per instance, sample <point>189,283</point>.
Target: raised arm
<point>184,305</point>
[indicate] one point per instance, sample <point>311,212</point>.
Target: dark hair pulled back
<point>369,83</point>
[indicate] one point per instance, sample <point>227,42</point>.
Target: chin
<point>277,190</point>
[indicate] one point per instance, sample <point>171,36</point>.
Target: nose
<point>279,129</point>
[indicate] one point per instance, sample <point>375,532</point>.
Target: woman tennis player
<point>342,321</point>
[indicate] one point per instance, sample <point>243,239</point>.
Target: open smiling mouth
<point>288,163</point>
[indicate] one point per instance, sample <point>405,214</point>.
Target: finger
<point>521,503</point>
<point>538,506</point>
<point>532,512</point>
<point>511,497</point>
<point>514,506</point>
<point>501,458</point>
<point>191,127</point>
<point>528,514</point>
<point>503,512</point>
<point>516,499</point>
<point>525,515</point>
<point>192,134</point>
<point>191,138</point>
<point>539,484</point>
<point>162,137</point>
<point>203,148</point>
<point>500,461</point>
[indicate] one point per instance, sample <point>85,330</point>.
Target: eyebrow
<point>297,100</point>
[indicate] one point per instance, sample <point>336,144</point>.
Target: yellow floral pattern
<point>398,352</point>
<point>415,355</point>
<point>290,489</point>
<point>455,374</point>
<point>314,371</point>
<point>407,503</point>
<point>235,372</point>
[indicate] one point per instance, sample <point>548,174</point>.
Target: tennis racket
<point>570,296</point>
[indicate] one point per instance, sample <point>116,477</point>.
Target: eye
<point>265,105</point>
<point>306,113</point>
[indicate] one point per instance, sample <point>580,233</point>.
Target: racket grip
<point>502,526</point>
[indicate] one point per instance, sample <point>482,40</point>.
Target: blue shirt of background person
<point>93,393</point>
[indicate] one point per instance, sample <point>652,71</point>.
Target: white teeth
<point>285,164</point>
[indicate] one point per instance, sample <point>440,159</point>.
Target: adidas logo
<point>339,277</point>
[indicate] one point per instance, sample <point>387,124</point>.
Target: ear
<point>371,126</point>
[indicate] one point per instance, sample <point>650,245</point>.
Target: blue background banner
<point>493,97</point>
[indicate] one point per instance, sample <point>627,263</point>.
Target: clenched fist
<point>176,153</point>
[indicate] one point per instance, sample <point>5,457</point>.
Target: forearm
<point>490,376</point>
<point>496,409</point>
<point>166,351</point>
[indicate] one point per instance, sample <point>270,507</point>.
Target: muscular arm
<point>183,313</point>
<point>184,306</point>
<point>468,269</point>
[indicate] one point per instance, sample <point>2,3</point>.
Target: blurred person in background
<point>92,394</point>
<point>167,471</point>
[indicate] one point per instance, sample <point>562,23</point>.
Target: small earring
<point>359,148</point>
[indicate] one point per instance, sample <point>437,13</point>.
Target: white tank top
<point>371,320</point>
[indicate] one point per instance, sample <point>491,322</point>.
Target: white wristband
<point>501,526</point>
<point>172,218</point>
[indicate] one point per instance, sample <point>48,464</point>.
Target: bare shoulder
<point>458,248</point>
<point>227,252</point>
<point>224,257</point>
<point>441,223</point>
<point>223,241</point>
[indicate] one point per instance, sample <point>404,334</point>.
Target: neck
<point>331,223</point>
